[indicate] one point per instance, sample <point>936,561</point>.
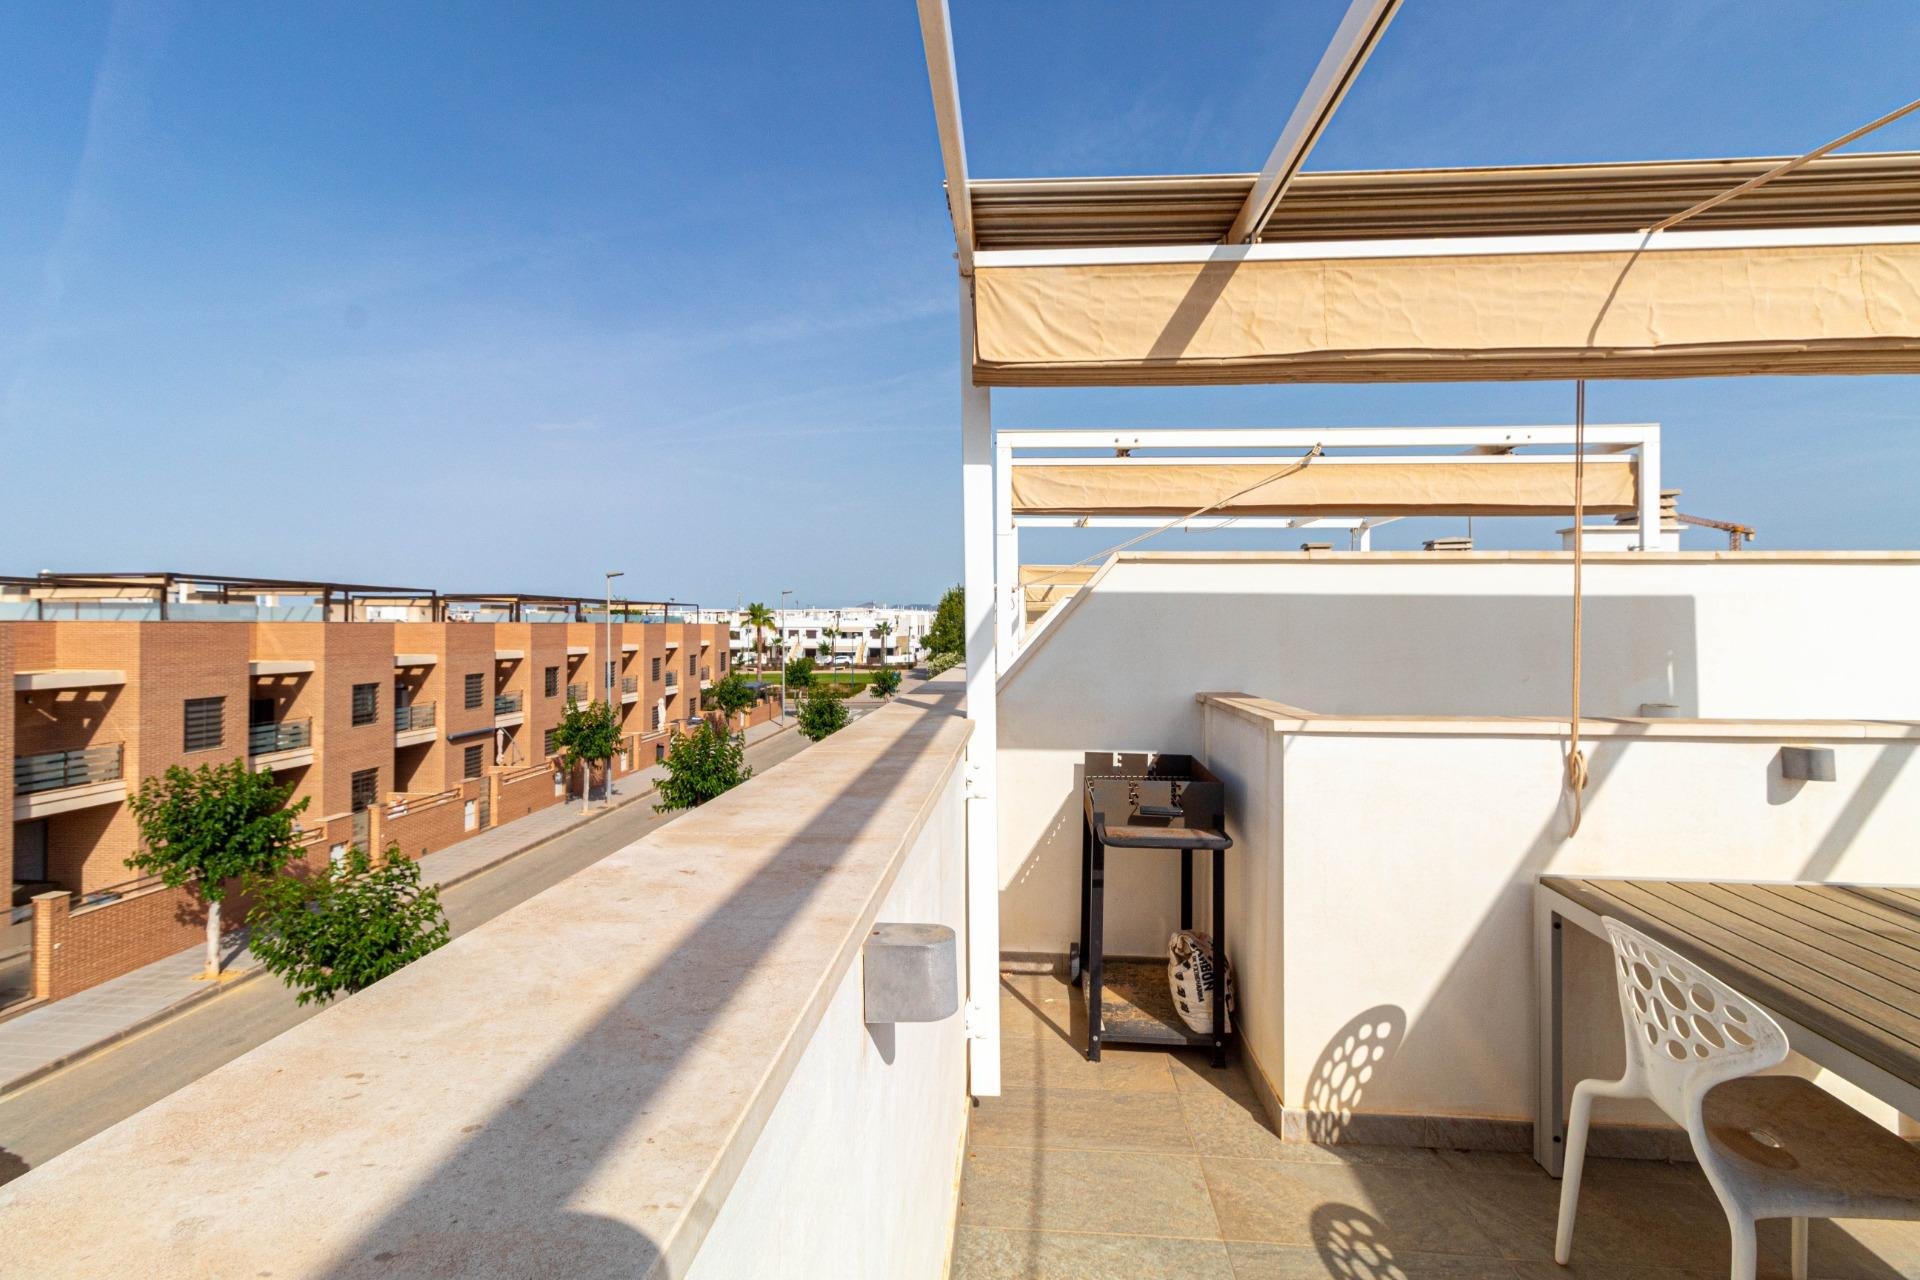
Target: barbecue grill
<point>1152,802</point>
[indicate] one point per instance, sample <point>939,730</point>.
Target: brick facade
<point>167,663</point>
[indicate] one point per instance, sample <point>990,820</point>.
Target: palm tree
<point>760,618</point>
<point>883,630</point>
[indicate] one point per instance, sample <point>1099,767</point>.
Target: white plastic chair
<point>1771,1146</point>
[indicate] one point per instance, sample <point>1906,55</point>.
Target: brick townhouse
<point>399,715</point>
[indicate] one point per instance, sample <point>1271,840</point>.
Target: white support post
<point>1649,477</point>
<point>982,772</point>
<point>1006,560</point>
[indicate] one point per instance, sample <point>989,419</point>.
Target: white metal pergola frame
<point>987,635</point>
<point>1358,33</point>
<point>1490,445</point>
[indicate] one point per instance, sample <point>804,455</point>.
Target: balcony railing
<point>577,692</point>
<point>52,770</point>
<point>279,735</point>
<point>506,703</point>
<point>629,684</point>
<point>417,715</point>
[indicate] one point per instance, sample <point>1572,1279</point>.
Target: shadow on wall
<point>1122,672</point>
<point>513,1217</point>
<point>1345,1068</point>
<point>1126,665</point>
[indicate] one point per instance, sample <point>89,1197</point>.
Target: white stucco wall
<point>855,1174</point>
<point>1741,636</point>
<point>1385,880</point>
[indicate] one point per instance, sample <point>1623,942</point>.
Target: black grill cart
<point>1156,803</point>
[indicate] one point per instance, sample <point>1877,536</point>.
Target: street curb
<point>240,979</point>
<point>212,991</point>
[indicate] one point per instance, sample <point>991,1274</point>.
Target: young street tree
<point>732,695</point>
<point>886,682</point>
<point>882,630</point>
<point>700,766</point>
<point>800,674</point>
<point>587,736</point>
<point>822,712</point>
<point>346,927</point>
<point>210,825</point>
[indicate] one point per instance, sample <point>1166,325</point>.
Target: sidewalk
<point>41,1041</point>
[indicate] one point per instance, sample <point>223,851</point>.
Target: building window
<point>656,671</point>
<point>691,667</point>
<point>366,704</point>
<point>654,723</point>
<point>472,761</point>
<point>659,752</point>
<point>204,723</point>
<point>551,746</point>
<point>365,786</point>
<point>553,681</point>
<point>694,705</point>
<point>476,691</point>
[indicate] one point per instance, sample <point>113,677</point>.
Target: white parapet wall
<point>658,1067</point>
<point>1380,906</point>
<point>1775,636</point>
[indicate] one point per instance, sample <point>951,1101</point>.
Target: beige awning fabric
<point>1324,487</point>
<point>1669,313</point>
<point>1044,587</point>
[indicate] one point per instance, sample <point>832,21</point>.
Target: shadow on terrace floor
<point>499,1203</point>
<point>1152,1166</point>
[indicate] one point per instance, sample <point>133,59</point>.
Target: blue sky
<point>494,297</point>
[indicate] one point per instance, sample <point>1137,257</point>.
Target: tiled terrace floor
<point>1152,1165</point>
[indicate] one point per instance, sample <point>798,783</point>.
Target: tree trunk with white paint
<point>213,940</point>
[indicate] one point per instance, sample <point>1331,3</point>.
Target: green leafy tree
<point>822,712</point>
<point>701,765</point>
<point>886,682</point>
<point>587,736</point>
<point>732,695</point>
<point>211,825</point>
<point>947,637</point>
<point>761,619</point>
<point>346,927</point>
<point>800,674</point>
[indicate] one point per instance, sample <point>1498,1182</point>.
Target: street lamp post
<point>785,592</point>
<point>606,794</point>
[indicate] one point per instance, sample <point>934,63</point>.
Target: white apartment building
<point>863,635</point>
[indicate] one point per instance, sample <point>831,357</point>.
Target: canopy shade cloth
<point>1325,487</point>
<point>1688,305</point>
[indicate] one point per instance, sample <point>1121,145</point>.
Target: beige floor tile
<point>1047,1061</point>
<point>1648,1223</point>
<point>1084,1119</point>
<point>1857,1249</point>
<point>981,1253</point>
<point>1110,1192</point>
<point>1221,1125</point>
<point>1299,1203</point>
<point>1356,1257</point>
<point>1583,1270</point>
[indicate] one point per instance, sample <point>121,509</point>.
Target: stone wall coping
<point>571,1088</point>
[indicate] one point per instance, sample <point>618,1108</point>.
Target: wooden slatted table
<point>1837,965</point>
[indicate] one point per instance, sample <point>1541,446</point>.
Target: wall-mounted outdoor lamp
<point>1807,764</point>
<point>912,973</point>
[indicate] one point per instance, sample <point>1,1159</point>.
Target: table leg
<point>1090,964</point>
<point>1549,1125</point>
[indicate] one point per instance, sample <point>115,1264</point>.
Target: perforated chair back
<point>1687,1031</point>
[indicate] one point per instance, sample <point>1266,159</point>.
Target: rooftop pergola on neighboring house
<point>1635,270</point>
